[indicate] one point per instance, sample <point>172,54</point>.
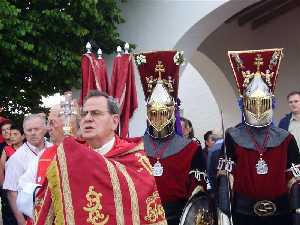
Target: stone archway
<point>209,57</point>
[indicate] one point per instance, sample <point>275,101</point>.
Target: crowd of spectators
<point>21,144</point>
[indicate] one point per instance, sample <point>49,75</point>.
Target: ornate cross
<point>160,69</point>
<point>258,62</point>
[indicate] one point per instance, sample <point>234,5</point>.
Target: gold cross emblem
<point>258,62</point>
<point>159,68</point>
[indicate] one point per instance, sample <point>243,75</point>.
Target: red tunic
<point>267,186</point>
<point>176,183</point>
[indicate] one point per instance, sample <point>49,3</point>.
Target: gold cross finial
<point>160,69</point>
<point>258,62</point>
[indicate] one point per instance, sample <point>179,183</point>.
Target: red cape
<point>85,187</point>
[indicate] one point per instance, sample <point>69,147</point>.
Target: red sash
<point>44,162</point>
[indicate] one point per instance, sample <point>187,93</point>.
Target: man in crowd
<point>177,163</point>
<point>5,130</point>
<point>291,122</point>
<point>34,127</point>
<point>107,176</point>
<point>16,141</point>
<point>209,141</point>
<point>188,130</point>
<point>261,160</point>
<point>213,156</point>
<point>36,172</point>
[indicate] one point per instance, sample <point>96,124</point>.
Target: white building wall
<point>198,103</point>
<point>281,32</point>
<point>159,24</point>
<point>167,24</point>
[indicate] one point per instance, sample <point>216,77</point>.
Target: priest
<point>108,180</point>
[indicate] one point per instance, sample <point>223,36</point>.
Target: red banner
<point>94,75</point>
<point>124,90</point>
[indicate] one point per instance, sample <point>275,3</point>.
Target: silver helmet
<point>256,73</point>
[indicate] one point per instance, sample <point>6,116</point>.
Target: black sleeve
<point>212,164</point>
<point>293,153</point>
<point>230,146</point>
<point>199,160</point>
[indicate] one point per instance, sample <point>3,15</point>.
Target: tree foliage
<point>41,43</point>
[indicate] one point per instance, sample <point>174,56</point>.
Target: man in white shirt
<point>34,128</point>
<point>55,129</point>
<point>291,121</point>
<point>29,180</point>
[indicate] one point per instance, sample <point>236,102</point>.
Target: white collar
<point>37,150</point>
<point>106,147</point>
<point>32,148</point>
<point>293,117</point>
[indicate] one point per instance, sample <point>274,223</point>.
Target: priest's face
<point>55,126</point>
<point>97,123</point>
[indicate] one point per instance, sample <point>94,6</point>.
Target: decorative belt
<point>247,206</point>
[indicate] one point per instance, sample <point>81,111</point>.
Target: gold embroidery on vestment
<point>50,217</point>
<point>133,195</point>
<point>117,192</point>
<point>66,186</point>
<point>154,210</point>
<point>39,203</point>
<point>56,195</point>
<point>137,148</point>
<point>94,208</point>
<point>143,159</point>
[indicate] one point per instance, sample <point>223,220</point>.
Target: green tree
<point>41,43</point>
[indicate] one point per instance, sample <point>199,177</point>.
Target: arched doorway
<point>184,25</point>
